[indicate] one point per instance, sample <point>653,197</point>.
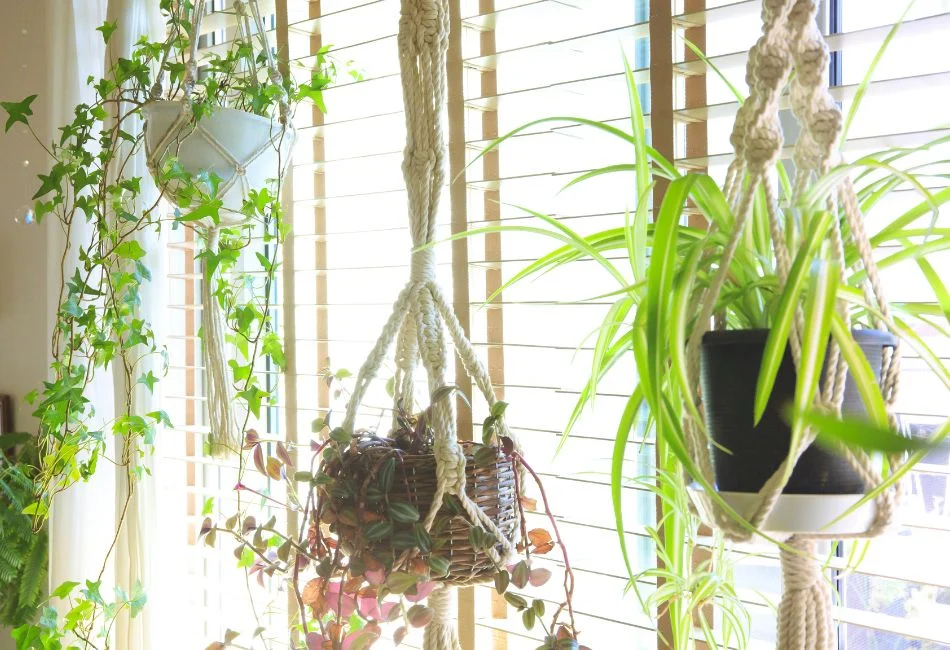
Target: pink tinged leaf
<point>251,438</point>
<point>388,611</point>
<point>359,640</point>
<point>423,589</point>
<point>400,635</point>
<point>284,455</point>
<point>419,615</point>
<point>239,487</point>
<point>376,577</point>
<point>206,526</point>
<point>259,460</point>
<point>315,641</point>
<point>539,577</point>
<point>369,607</point>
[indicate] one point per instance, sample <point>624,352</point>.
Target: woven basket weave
<point>491,487</point>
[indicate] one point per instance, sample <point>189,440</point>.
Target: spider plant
<point>666,266</point>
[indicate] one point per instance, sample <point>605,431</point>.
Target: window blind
<point>347,259</point>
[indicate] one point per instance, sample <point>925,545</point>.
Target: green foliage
<point>23,551</point>
<point>98,323</point>
<point>662,270</point>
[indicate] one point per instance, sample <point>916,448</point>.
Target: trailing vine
<point>90,194</point>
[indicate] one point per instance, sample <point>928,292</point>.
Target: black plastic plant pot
<point>729,368</point>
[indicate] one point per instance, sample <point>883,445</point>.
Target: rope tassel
<point>804,615</point>
<point>440,633</point>
<point>223,439</point>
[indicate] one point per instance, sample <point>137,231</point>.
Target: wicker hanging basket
<point>415,480</point>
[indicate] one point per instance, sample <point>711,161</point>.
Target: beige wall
<point>23,324</point>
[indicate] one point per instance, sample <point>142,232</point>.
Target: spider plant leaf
<point>663,168</point>
<point>680,315</point>
<point>600,171</point>
<point>662,271</point>
<point>858,433</point>
<point>712,66</point>
<point>936,284</point>
<point>614,354</point>
<point>866,81</point>
<point>819,308</point>
<point>605,337</point>
<point>898,474</point>
<point>785,314</point>
<point>910,216</point>
<point>639,130</point>
<point>627,420</point>
<point>861,374</point>
<point>906,253</point>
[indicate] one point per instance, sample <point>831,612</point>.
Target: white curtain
<point>83,520</point>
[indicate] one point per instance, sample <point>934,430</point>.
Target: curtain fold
<point>83,520</point>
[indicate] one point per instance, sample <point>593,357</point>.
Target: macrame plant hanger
<point>421,313</point>
<point>224,437</point>
<point>791,41</point>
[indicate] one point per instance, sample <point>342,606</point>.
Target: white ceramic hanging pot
<point>244,150</point>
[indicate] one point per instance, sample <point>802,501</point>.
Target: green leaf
<point>403,512</point>
<point>399,582</point>
<point>862,376</point>
<point>858,433</point>
<point>107,29</point>
<point>130,250</point>
<point>785,313</point>
<point>18,111</point>
<point>64,590</point>
<point>498,408</point>
<point>148,380</point>
<point>869,74</point>
<point>247,558</point>
<point>439,566</point>
<point>208,507</point>
<point>516,601</point>
<point>819,308</point>
<point>378,530</point>
<point>627,421</point>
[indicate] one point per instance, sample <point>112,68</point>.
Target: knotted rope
<point>791,41</point>
<point>421,314</point>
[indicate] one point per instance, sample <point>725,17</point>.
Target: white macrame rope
<point>224,438</point>
<point>421,314</point>
<point>792,41</point>
<point>440,632</point>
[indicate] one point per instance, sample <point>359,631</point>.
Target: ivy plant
<point>89,193</point>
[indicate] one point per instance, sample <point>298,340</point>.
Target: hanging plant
<point>365,556</point>
<point>782,416</point>
<point>112,216</point>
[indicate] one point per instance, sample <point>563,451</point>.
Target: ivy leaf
<point>107,30</point>
<point>208,507</point>
<point>148,380</point>
<point>272,347</point>
<point>64,590</point>
<point>247,558</point>
<point>130,250</point>
<point>18,111</point>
